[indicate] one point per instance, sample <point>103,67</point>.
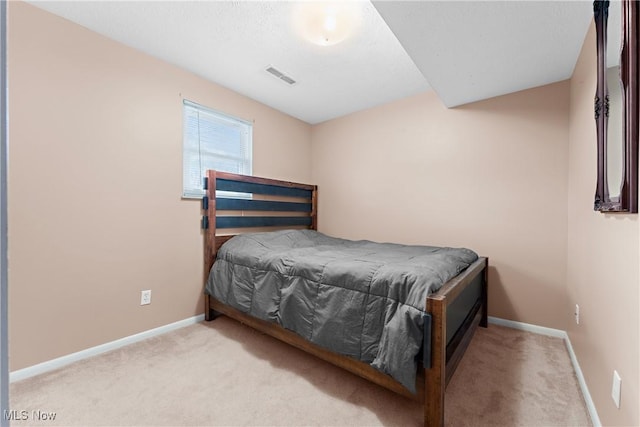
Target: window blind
<point>213,140</point>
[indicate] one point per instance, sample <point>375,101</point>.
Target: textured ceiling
<point>465,51</point>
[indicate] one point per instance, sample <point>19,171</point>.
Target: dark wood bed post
<point>314,208</point>
<point>435,376</point>
<point>484,320</point>
<point>210,236</point>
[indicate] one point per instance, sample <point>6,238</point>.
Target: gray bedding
<point>357,298</point>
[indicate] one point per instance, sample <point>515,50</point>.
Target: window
<point>212,140</point>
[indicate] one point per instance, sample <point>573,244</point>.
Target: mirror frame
<point>628,200</point>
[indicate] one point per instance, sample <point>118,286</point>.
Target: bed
<point>247,206</point>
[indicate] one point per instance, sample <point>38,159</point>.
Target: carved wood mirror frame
<point>628,199</point>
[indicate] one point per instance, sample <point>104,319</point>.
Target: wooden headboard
<point>263,204</point>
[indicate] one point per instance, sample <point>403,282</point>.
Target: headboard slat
<point>261,221</point>
<point>223,204</point>
<point>259,188</point>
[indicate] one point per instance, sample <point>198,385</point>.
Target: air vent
<point>280,75</point>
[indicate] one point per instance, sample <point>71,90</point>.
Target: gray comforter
<point>357,298</point>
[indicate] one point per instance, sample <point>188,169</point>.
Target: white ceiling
<point>474,50</point>
<point>465,51</point>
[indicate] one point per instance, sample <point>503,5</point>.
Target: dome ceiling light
<point>326,23</point>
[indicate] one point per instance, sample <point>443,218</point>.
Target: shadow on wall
<point>532,288</point>
<point>498,296</point>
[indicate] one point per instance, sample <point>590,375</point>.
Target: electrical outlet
<point>145,297</point>
<point>577,314</point>
<point>615,390</point>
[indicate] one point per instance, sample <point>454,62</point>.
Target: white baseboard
<point>591,407</point>
<point>540,330</point>
<point>51,365</point>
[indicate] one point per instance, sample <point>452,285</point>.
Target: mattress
<point>361,299</point>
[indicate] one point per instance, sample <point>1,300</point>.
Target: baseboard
<point>51,365</point>
<point>591,407</point>
<point>541,330</point>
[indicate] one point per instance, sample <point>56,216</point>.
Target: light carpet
<point>223,373</point>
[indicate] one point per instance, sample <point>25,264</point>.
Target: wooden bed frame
<point>453,313</point>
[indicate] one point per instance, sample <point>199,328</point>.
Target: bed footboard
<point>456,310</point>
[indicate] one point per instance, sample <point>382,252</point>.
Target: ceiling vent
<point>280,75</point>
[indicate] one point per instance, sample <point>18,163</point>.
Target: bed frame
<point>453,313</point>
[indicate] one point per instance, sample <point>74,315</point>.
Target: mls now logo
<point>15,415</point>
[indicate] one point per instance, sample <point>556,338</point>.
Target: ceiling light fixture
<point>326,23</point>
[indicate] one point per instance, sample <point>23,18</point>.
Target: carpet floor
<point>223,373</point>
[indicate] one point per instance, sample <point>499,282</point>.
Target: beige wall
<point>602,268</point>
<point>95,205</point>
<point>490,176</point>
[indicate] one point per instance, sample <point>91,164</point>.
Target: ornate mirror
<point>616,105</point>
